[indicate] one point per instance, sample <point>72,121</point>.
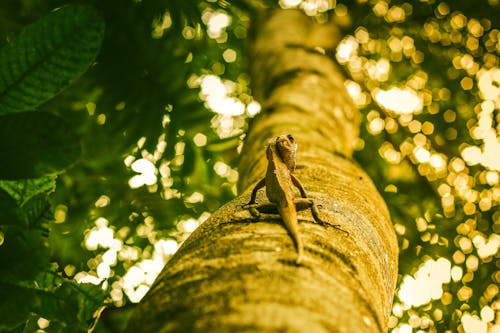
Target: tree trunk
<point>237,274</point>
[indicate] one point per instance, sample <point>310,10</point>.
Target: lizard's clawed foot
<point>252,208</point>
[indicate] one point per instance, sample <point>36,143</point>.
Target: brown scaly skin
<point>279,182</point>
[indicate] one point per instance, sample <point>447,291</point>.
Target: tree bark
<point>237,274</point>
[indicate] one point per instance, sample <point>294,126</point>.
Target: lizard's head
<point>287,148</point>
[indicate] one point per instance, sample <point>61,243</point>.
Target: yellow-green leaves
<point>47,56</point>
<point>36,65</point>
<point>33,144</point>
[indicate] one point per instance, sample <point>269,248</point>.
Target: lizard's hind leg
<point>305,203</point>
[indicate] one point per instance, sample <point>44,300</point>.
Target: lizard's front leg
<point>298,185</point>
<point>251,205</point>
<point>257,187</point>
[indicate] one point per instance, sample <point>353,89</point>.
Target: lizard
<point>279,182</point>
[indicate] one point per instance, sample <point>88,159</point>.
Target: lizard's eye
<point>290,137</point>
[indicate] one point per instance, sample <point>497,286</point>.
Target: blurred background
<point>162,112</point>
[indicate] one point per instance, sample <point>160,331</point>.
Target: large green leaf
<point>47,56</point>
<point>34,144</point>
<point>52,297</point>
<point>23,190</point>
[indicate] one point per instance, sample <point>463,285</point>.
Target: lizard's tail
<point>289,215</point>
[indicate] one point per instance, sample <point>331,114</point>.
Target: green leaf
<point>54,298</point>
<point>37,213</point>
<point>23,190</point>
<point>47,56</point>
<point>14,297</point>
<point>24,204</point>
<point>34,144</point>
<point>8,210</point>
<point>22,255</point>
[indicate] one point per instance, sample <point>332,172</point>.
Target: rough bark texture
<point>235,274</point>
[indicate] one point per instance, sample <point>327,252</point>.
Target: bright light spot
<point>143,166</point>
<point>212,85</point>
<point>492,177</point>
<point>405,328</point>
<point>427,283</point>
<point>137,294</point>
<point>147,174</point>
<point>456,273</point>
<point>188,225</point>
<point>152,268</point>
<point>229,55</point>
<point>103,201</point>
<point>116,244</point>
<point>116,295</point>
<point>129,160</point>
<point>132,284</point>
<point>488,157</point>
<point>395,14</point>
<point>101,119</point>
<point>390,154</point>
<point>128,253</point>
<point>397,310</point>
<point>100,235</point>
<point>179,147</point>
<point>109,257</point>
<point>472,263</point>
<point>313,7</point>
<point>160,25</point>
<point>415,126</point>
<point>290,3</point>
<point>472,155</point>
<point>221,168</point>
<point>166,247</point>
<point>216,23</point>
<point>400,101</point>
<point>83,277</point>
<point>42,323</point>
<point>188,32</point>
<point>69,270</point>
<point>489,83</point>
<point>253,108</point>
<point>347,48</point>
<point>487,314</point>
<point>60,213</point>
<point>380,8</point>
<point>485,130</point>
<point>467,83</point>
<point>376,125</point>
<point>422,155</point>
<point>437,161</point>
<point>139,278</point>
<point>228,106</point>
<point>215,93</point>
<point>133,277</point>
<point>383,66</point>
<point>491,158</point>
<point>103,271</point>
<point>472,324</point>
<point>195,197</point>
<point>354,90</point>
<point>200,140</point>
<point>489,248</point>
<point>310,7</point>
